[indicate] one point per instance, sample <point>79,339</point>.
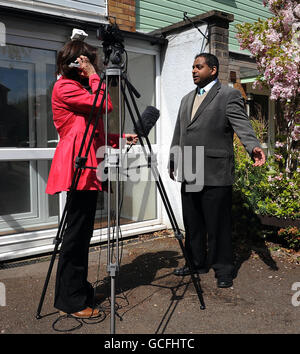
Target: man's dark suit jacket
<point>221,113</point>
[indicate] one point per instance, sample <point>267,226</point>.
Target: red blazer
<point>71,105</point>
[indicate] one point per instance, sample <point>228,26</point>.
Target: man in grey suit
<point>208,117</point>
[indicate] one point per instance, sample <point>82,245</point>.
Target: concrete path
<point>151,300</point>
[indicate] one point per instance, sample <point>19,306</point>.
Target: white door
<point>27,138</point>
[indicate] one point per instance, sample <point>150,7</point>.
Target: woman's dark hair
<point>70,52</point>
<point>210,60</point>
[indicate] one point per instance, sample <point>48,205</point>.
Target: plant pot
<point>279,222</point>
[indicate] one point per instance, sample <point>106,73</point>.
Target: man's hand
<point>258,156</point>
<point>171,174</point>
<point>131,139</point>
<point>171,169</point>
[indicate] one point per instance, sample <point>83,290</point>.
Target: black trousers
<point>72,291</point>
<point>207,222</point>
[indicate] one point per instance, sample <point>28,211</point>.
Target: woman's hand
<point>131,139</point>
<point>86,67</point>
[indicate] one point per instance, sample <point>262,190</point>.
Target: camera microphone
<point>148,120</point>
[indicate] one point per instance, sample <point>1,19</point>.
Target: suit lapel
<point>190,102</point>
<point>209,97</point>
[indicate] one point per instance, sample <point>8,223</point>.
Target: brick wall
<point>124,11</point>
<point>219,46</point>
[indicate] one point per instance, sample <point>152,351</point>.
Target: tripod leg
<point>163,194</point>
<point>58,239</point>
<point>38,314</point>
<point>178,235</point>
<point>195,280</point>
<point>75,180</point>
<point>113,305</point>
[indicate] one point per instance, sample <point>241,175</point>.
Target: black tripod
<point>152,163</point>
<point>115,74</point>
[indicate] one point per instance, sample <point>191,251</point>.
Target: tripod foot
<point>38,316</point>
<point>202,307</point>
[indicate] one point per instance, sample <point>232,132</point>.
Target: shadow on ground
<point>142,270</point>
<point>249,235</point>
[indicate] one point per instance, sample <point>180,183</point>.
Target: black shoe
<point>186,271</point>
<point>224,283</point>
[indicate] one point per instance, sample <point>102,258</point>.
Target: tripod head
<point>113,46</point>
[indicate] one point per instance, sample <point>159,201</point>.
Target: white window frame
<point>82,10</point>
<point>36,242</point>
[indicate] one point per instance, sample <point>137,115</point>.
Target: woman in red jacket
<point>71,105</point>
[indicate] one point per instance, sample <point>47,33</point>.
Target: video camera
<point>113,46</point>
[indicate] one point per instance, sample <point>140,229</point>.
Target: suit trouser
<point>72,291</point>
<point>207,221</point>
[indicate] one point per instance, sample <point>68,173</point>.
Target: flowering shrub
<point>279,196</point>
<point>268,190</point>
<point>291,235</point>
<point>275,44</point>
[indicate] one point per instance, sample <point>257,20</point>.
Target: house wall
<point>124,12</point>
<point>153,14</point>
<point>176,82</point>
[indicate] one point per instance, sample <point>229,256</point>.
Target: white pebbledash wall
<point>176,81</point>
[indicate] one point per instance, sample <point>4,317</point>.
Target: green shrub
<point>291,235</point>
<point>267,190</point>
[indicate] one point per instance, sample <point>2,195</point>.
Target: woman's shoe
<point>85,314</point>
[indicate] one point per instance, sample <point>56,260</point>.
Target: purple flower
<point>279,144</point>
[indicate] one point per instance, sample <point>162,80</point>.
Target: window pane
<point>142,74</point>
<point>52,137</point>
<point>14,118</point>
<point>139,191</point>
<point>137,202</point>
<point>27,76</point>
<point>15,187</point>
<point>139,195</point>
<point>53,200</point>
<point>53,205</point>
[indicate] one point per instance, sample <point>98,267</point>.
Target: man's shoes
<point>84,314</point>
<point>186,271</point>
<point>224,283</point>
